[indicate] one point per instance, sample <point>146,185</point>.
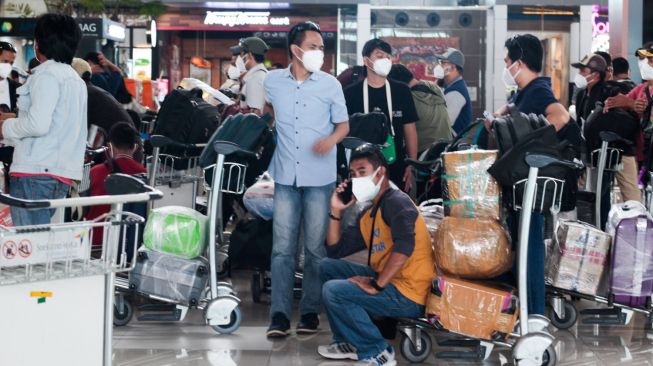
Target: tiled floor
<point>193,343</point>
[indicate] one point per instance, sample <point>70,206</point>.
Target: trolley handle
<point>541,161</point>
<point>92,153</point>
<point>116,185</point>
<point>610,137</point>
<point>163,141</point>
<point>427,166</point>
<point>351,143</point>
<point>227,148</point>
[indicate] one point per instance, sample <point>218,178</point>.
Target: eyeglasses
<point>6,46</point>
<point>303,27</point>
<point>515,39</point>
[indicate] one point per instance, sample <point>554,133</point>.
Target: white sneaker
<point>385,358</point>
<point>338,351</point>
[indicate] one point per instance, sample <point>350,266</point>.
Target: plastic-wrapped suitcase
<point>170,277</point>
<point>632,262</point>
<point>474,309</point>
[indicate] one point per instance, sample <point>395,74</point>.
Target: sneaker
<point>385,358</point>
<point>308,324</point>
<point>338,351</point>
<point>279,326</point>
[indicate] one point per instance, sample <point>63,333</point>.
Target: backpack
<point>371,127</point>
<point>511,167</point>
<point>186,118</point>
<point>251,133</point>
<point>513,127</point>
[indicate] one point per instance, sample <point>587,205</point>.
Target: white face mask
<point>240,64</point>
<point>233,73</point>
<point>580,81</point>
<point>508,79</point>
<point>312,60</point>
<point>646,70</point>
<point>5,70</point>
<point>382,67</point>
<point>364,188</point>
<point>438,72</point>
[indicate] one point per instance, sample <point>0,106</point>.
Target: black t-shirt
<point>403,107</point>
<point>535,97</point>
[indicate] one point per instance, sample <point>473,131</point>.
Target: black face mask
<point>441,83</point>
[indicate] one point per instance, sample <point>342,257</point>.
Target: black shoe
<point>308,324</point>
<point>279,326</point>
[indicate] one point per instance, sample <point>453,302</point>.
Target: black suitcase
<point>170,277</point>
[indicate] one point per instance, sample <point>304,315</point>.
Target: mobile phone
<point>346,195</point>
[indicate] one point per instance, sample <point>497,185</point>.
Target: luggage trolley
<point>57,298</point>
<point>218,300</point>
<point>178,180</point>
<point>531,344</point>
<point>563,312</point>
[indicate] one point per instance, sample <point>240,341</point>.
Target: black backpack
<point>372,127</point>
<point>512,128</point>
<point>186,118</point>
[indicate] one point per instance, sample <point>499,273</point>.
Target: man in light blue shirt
<point>311,118</point>
<point>50,131</point>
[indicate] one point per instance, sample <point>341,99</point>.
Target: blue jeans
<point>536,256</point>
<point>350,309</point>
<point>35,188</point>
<point>292,206</point>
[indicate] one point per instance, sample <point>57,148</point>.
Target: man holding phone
<point>397,279</point>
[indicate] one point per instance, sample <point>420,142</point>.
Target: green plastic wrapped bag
<point>176,230</point>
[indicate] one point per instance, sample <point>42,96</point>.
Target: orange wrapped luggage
<point>473,309</point>
<point>468,190</point>
<point>472,248</point>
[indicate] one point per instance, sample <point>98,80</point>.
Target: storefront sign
<point>240,18</point>
<point>600,24</point>
<point>17,27</point>
<point>114,31</point>
<point>90,27</point>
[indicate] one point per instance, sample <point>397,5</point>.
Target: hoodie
<point>433,124</point>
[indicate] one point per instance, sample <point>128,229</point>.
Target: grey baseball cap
<point>593,62</point>
<point>454,56</point>
<point>254,45</point>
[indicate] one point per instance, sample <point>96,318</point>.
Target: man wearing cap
<point>394,99</point>
<point>589,81</point>
<point>252,53</point>
<point>459,104</point>
<point>103,109</point>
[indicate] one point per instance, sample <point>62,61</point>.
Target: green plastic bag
<point>176,230</point>
<point>389,150</point>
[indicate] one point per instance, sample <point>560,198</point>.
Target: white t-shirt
<point>253,88</point>
<point>5,97</point>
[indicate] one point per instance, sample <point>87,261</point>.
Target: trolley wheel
<point>409,351</point>
<point>256,288</point>
<point>549,357</point>
<point>123,319</point>
<point>571,315</point>
<point>234,323</point>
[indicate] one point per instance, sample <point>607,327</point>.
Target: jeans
<point>292,206</point>
<point>536,256</point>
<point>35,188</point>
<point>350,309</point>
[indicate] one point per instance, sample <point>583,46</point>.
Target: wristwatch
<point>376,286</point>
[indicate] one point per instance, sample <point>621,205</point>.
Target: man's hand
<point>107,64</point>
<point>322,147</point>
<point>408,179</point>
<point>4,116</point>
<point>618,101</point>
<point>364,284</point>
<point>337,206</point>
<point>640,106</point>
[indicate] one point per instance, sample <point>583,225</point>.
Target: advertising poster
<point>418,54</point>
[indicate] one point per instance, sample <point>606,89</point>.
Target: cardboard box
<point>468,190</point>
